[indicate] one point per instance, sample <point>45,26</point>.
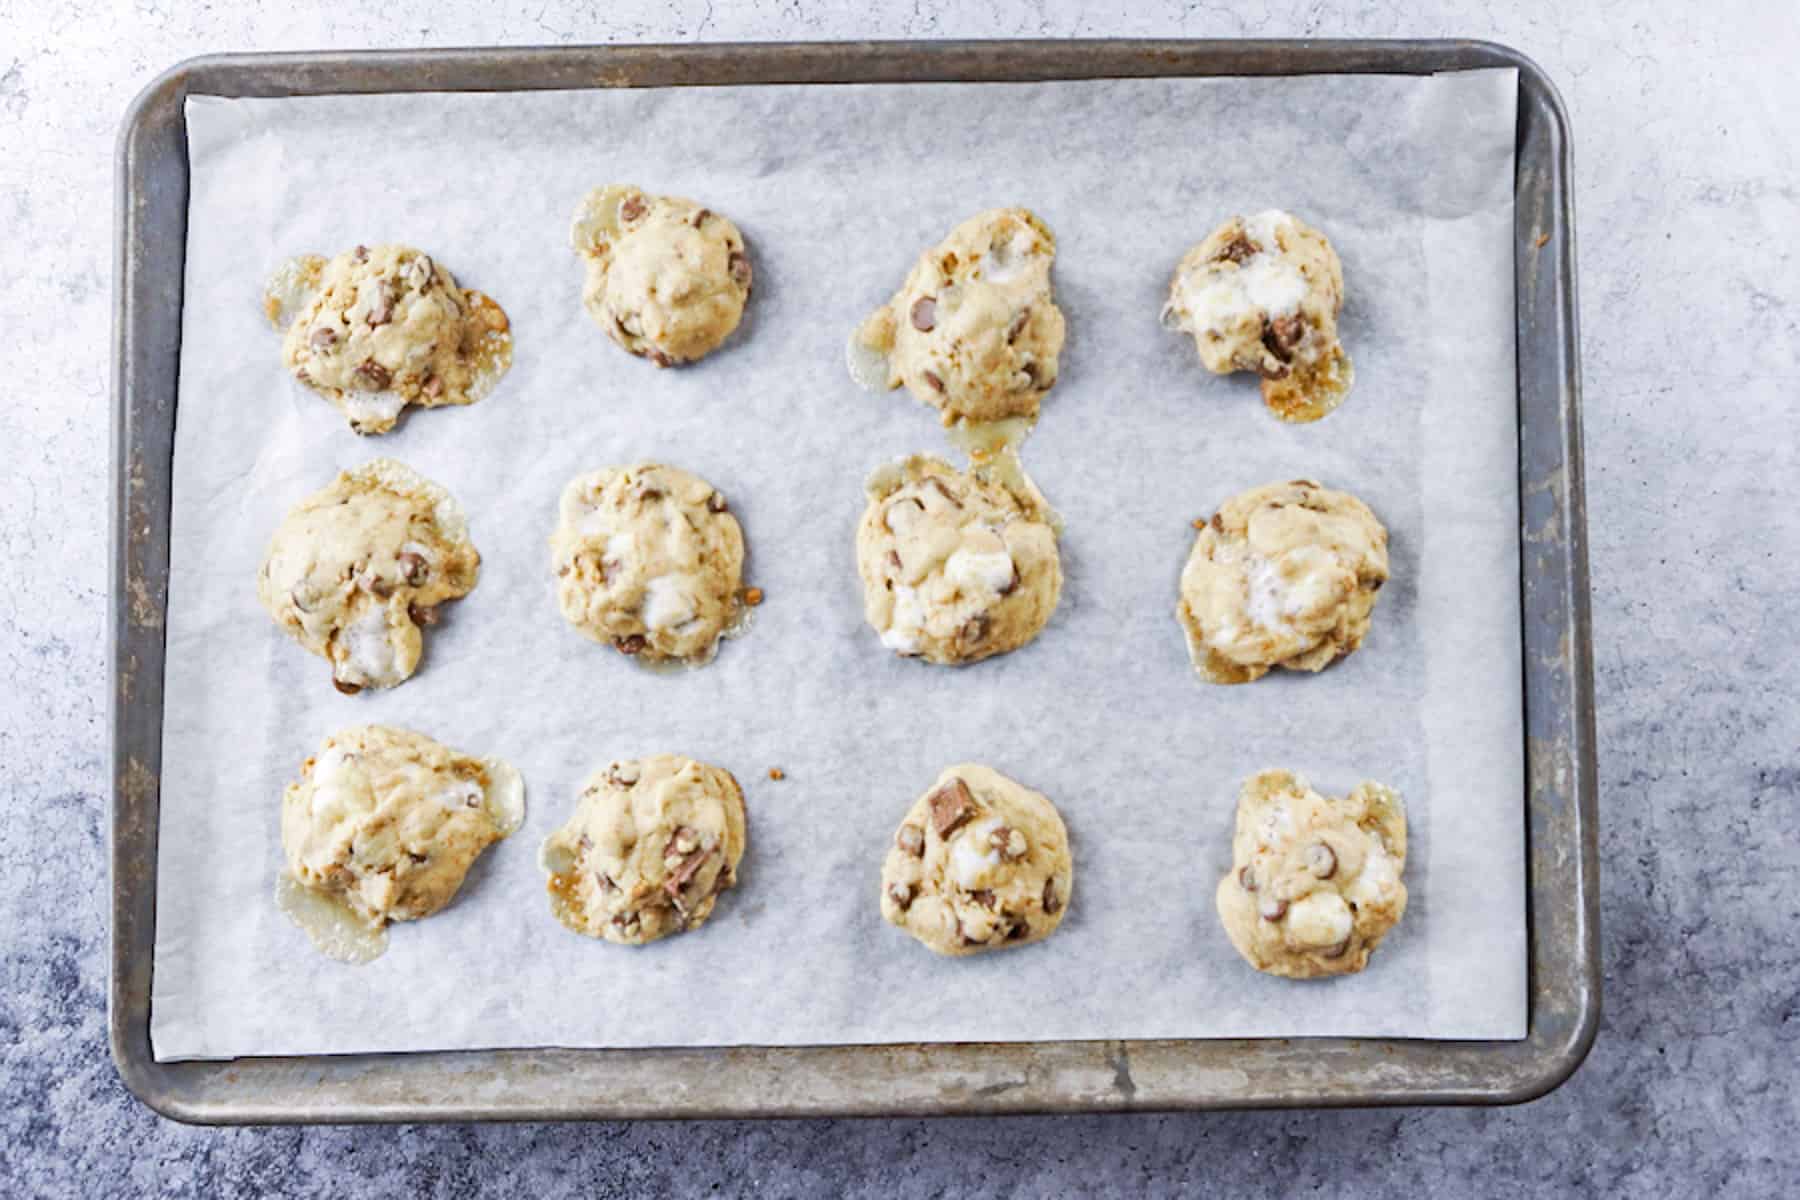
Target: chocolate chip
<point>936,383</point>
<point>349,689</point>
<point>700,217</point>
<point>1237,250</point>
<point>361,254</point>
<point>739,265</point>
<point>413,567</point>
<point>1008,841</point>
<point>1321,860</point>
<point>630,644</point>
<point>716,503</point>
<point>951,805</point>
<point>1052,902</point>
<point>1273,909</point>
<point>901,894</point>
<point>911,839</point>
<point>422,615</point>
<point>1218,522</point>
<point>633,208</point>
<point>924,314</point>
<point>323,338</point>
<point>1247,879</point>
<point>373,376</point>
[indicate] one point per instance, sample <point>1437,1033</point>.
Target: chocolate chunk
<point>951,805</point>
<point>1282,334</point>
<point>1052,902</point>
<point>419,273</point>
<point>360,254</point>
<point>1321,860</point>
<point>716,503</point>
<point>689,867</point>
<point>974,630</point>
<point>911,839</point>
<point>1237,250</point>
<point>893,561</point>
<point>1273,909</point>
<point>1218,523</point>
<point>382,311</point>
<point>658,357</point>
<point>739,265</point>
<point>700,217</point>
<point>1018,325</point>
<point>924,314</point>
<point>901,894</point>
<point>633,208</point>
<point>434,386</point>
<point>622,774</point>
<point>1012,584</point>
<point>422,615</point>
<point>941,488</point>
<point>1008,841</point>
<point>630,644</point>
<point>1337,951</point>
<point>936,383</point>
<point>349,689</point>
<point>413,567</point>
<point>1247,879</point>
<point>323,338</point>
<point>983,897</point>
<point>373,376</point>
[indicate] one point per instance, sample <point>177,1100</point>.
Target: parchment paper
<point>837,190</point>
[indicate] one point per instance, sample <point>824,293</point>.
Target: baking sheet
<point>836,190</point>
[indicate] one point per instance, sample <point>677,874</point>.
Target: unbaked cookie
<point>1283,575</point>
<point>666,278</point>
<point>649,560</point>
<point>974,331</point>
<point>381,826</point>
<point>980,863</point>
<point>1263,294</point>
<point>956,566</point>
<point>651,845</point>
<point>1315,882</point>
<point>380,327</point>
<point>357,568</point>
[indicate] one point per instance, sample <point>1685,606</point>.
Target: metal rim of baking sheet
<point>1559,806</point>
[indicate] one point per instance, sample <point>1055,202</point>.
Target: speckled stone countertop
<point>1687,152</point>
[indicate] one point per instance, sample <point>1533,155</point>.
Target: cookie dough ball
<point>1284,575</point>
<point>385,822</point>
<point>357,568</point>
<point>1315,882</point>
<point>666,278</point>
<point>956,567</point>
<point>385,327</point>
<point>648,560</point>
<point>980,863</point>
<point>974,331</point>
<point>651,845</point>
<point>1263,294</point>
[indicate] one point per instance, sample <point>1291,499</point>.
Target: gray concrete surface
<point>1688,146</point>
